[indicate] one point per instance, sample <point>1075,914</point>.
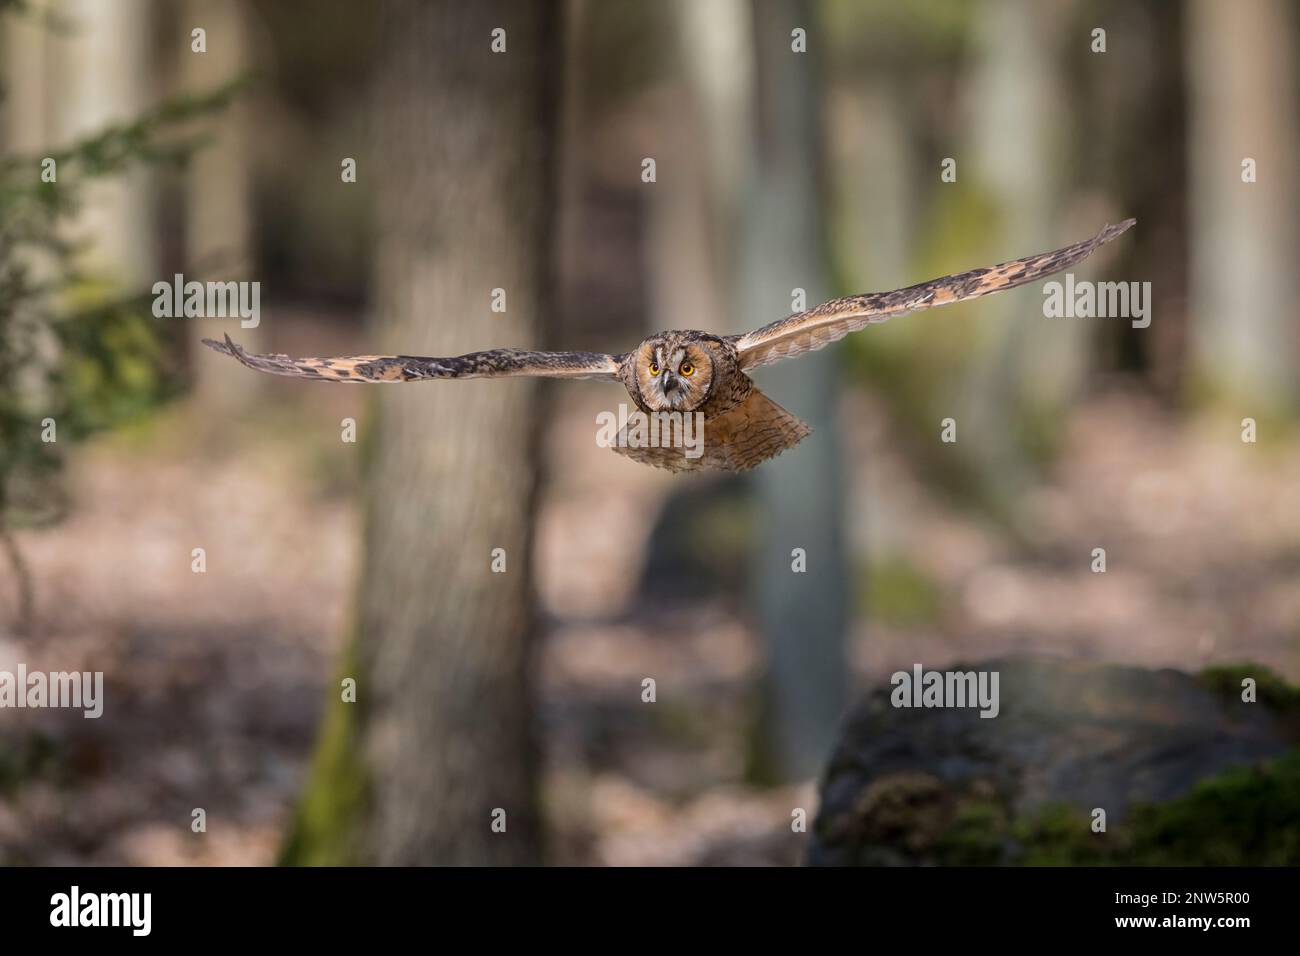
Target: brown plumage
<point>689,372</point>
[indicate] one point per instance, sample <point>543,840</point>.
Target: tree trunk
<point>1022,369</point>
<point>803,616</point>
<point>440,739</point>
<point>102,76</point>
<point>1242,80</point>
<point>218,197</point>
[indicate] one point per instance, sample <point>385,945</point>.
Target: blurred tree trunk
<point>65,84</point>
<point>440,736</point>
<point>219,195</point>
<point>101,74</point>
<point>692,228</point>
<point>1024,370</point>
<point>29,120</point>
<point>62,85</point>
<point>1245,237</point>
<point>803,616</point>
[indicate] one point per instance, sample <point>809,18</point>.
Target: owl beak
<point>669,382</point>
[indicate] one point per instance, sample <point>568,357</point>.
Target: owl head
<point>676,371</point>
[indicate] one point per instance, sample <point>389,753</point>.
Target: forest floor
<point>214,681</point>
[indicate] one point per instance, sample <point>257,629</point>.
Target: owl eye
<point>654,369</point>
<point>687,369</point>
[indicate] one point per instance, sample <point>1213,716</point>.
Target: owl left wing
<point>831,321</point>
<point>496,363</point>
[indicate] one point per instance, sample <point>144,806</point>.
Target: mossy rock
<point>1186,771</point>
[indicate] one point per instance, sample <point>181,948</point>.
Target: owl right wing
<point>831,321</point>
<point>496,363</point>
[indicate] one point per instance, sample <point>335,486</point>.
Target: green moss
<point>976,834</point>
<point>1245,817</point>
<point>1061,835</point>
<point>327,825</point>
<point>1248,816</point>
<point>1271,689</point>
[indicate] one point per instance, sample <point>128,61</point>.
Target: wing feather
<point>496,363</point>
<point>831,321</point>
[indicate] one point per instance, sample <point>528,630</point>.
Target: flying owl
<point>692,371</point>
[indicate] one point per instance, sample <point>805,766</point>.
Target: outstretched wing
<point>413,368</point>
<point>831,321</point>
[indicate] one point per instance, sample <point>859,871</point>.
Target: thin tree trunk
<point>1241,60</point>
<point>803,616</point>
<point>218,195</point>
<point>102,75</point>
<point>1021,364</point>
<point>440,737</point>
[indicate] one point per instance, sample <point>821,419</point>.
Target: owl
<point>671,375</point>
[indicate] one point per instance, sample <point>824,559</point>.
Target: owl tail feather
<point>754,431</point>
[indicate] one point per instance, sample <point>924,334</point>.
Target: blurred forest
<point>799,152</point>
